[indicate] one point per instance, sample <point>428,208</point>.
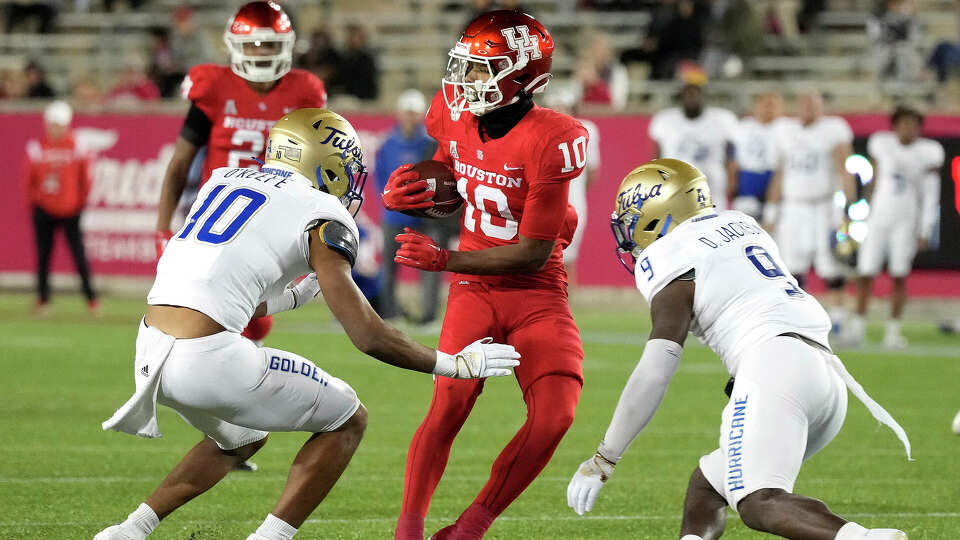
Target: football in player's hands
<point>440,180</point>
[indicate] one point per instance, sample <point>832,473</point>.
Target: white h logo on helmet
<point>519,39</point>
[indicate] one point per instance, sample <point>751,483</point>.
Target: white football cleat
<point>113,532</point>
<point>886,534</point>
<point>956,423</point>
<point>894,341</point>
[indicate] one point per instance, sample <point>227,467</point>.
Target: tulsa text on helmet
<point>488,177</point>
<point>634,197</point>
<point>339,139</point>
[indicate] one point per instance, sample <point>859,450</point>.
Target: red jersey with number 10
<point>242,118</point>
<point>499,178</point>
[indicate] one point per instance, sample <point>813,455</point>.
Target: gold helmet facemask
<point>322,146</point>
<point>654,198</point>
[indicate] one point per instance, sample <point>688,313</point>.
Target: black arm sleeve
<point>196,127</point>
<point>338,237</point>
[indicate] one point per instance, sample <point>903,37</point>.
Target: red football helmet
<point>260,40</point>
<point>512,47</point>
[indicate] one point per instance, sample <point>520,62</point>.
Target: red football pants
<point>538,323</point>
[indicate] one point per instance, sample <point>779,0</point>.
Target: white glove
<point>482,358</point>
<point>586,483</point>
<point>296,296</point>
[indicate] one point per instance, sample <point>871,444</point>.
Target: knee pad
<point>835,283</point>
<point>258,328</point>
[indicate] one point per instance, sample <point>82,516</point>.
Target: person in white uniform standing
<point>702,136</point>
<point>564,100</point>
<point>903,213</point>
<point>757,156</point>
<point>720,276</point>
<point>248,235</point>
<point>801,203</point>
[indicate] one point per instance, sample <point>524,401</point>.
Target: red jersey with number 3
<point>515,185</point>
<point>240,117</point>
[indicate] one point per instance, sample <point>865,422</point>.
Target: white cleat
<point>894,341</point>
<point>886,534</point>
<point>956,423</point>
<point>113,532</point>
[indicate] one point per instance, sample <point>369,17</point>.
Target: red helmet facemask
<point>500,55</point>
<point>260,39</point>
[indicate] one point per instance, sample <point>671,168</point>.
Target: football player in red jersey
<point>513,161</point>
<point>232,108</point>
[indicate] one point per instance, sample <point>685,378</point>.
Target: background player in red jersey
<point>232,109</point>
<point>513,161</point>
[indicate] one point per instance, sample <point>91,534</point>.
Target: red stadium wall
<point>134,150</point>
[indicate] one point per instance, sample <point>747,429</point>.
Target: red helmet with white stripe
<point>501,54</point>
<point>260,39</point>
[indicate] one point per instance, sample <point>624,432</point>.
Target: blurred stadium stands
<point>90,46</point>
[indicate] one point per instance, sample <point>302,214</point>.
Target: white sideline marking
<point>653,517</point>
<point>377,479</point>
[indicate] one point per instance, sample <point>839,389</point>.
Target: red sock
<point>551,401</point>
<point>409,527</point>
<point>258,328</point>
<point>427,458</point>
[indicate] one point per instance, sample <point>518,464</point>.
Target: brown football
<point>440,180</point>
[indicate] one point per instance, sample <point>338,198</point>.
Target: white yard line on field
<point>641,517</point>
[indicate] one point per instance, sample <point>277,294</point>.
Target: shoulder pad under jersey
<point>339,237</point>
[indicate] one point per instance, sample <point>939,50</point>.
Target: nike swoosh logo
<point>506,168</point>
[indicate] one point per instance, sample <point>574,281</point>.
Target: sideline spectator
<point>133,86</point>
<point>56,181</point>
<point>603,79</point>
<point>945,58</point>
<point>322,58</point>
<point>361,79</point>
<point>407,143</point>
<point>894,33</point>
<point>37,86</point>
<point>780,18</point>
<point>161,68</point>
<point>86,92</point>
<point>17,13</point>
<point>676,34</point>
<point>13,84</point>
<point>189,45</point>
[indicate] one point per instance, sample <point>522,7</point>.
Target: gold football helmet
<point>654,197</point>
<point>324,147</point>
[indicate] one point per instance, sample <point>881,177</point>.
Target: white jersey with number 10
<point>244,240</point>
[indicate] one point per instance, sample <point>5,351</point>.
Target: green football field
<point>61,477</point>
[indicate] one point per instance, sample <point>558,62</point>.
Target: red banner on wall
<point>133,152</point>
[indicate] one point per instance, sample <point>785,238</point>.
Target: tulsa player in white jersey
<point>757,156</point>
<point>702,136</point>
<point>903,211</point>
<point>813,154</point>
<point>248,235</point>
<point>720,276</point>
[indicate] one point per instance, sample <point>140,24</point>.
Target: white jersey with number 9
<point>744,294</point>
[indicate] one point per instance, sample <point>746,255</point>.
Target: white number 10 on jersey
<point>579,154</point>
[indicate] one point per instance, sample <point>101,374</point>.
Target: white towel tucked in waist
<point>138,416</point>
<point>875,408</point>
